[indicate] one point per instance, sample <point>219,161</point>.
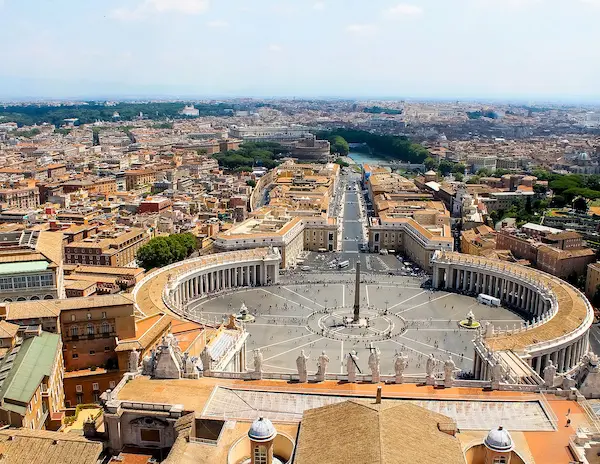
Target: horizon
<point>466,50</point>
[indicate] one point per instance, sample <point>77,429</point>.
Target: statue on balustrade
<point>301,365</point>
<point>322,363</point>
<point>400,363</point>
<point>351,366</point>
<point>207,360</point>
<point>449,368</point>
<point>148,364</point>
<point>549,374</point>
<point>258,364</point>
<point>429,369</point>
<point>375,364</point>
<point>134,361</point>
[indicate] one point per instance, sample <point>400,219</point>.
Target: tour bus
<point>488,300</point>
<point>343,264</point>
<point>305,268</point>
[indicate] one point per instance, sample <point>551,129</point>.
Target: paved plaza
<point>307,313</point>
<point>239,404</point>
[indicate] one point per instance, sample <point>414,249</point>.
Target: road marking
<point>367,293</point>
<point>282,297</point>
<point>302,296</point>
<point>408,347</point>
<point>343,295</point>
<point>436,349</point>
<point>427,302</point>
<point>286,340</point>
<point>284,325</point>
<point>294,349</point>
<point>595,336</point>
<point>408,299</point>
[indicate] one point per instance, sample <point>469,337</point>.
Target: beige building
<point>477,241</point>
<point>270,227</point>
<point>416,228</point>
<point>592,279</point>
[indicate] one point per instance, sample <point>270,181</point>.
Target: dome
<point>431,173</point>
<point>583,157</point>
<point>262,430</point>
<point>499,440</point>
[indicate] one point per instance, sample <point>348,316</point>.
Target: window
<point>111,384</point>
<point>20,282</point>
<point>92,352</point>
<point>103,314</point>
<point>107,348</point>
<point>6,283</point>
<point>105,328</point>
<point>33,281</point>
<point>78,388</point>
<point>96,397</point>
<point>89,316</point>
<point>74,331</point>
<point>90,329</point>
<point>260,454</point>
<point>151,435</point>
<point>73,317</point>
<point>500,460</point>
<point>75,356</point>
<point>95,386</point>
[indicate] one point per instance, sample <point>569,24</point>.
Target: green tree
<point>339,145</point>
<point>445,167</point>
<point>459,176</point>
<point>341,162</point>
<point>430,163</point>
<point>161,251</point>
<point>251,183</point>
<point>459,167</point>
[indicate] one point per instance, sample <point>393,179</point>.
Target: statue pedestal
<point>375,378</point>
<point>448,383</point>
<point>351,323</point>
<point>303,378</point>
<point>352,378</point>
<point>399,379</point>
<point>430,380</point>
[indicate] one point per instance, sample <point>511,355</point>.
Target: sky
<point>451,49</point>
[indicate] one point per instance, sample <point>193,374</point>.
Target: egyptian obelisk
<point>356,317</point>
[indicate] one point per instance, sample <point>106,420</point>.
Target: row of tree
<point>28,115</point>
<point>162,251</point>
<point>251,154</point>
<point>391,146</point>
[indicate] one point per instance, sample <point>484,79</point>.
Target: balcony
<point>97,336</point>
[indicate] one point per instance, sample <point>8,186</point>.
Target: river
<point>364,157</point>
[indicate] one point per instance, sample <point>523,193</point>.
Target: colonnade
<point>206,281</point>
<point>519,290</point>
<point>518,294</point>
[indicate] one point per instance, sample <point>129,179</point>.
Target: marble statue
<point>430,365</point>
<point>449,368</point>
<point>374,364</point>
<point>489,329</point>
<point>549,374</point>
<point>470,318</point>
<point>352,366</point>
<point>134,361</point>
<point>400,362</point>
<point>301,365</point>
<point>258,364</point>
<point>322,363</point>
<point>497,373</point>
<point>188,365</point>
<point>207,360</point>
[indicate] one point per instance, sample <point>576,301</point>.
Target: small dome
<point>430,173</point>
<point>262,430</point>
<point>583,157</point>
<point>499,440</point>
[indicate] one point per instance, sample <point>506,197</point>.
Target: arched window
<point>34,298</point>
<point>48,297</point>
<point>260,455</point>
<point>500,460</point>
<point>105,328</point>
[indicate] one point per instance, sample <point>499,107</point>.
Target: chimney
<point>378,398</point>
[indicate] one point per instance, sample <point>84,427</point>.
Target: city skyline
<point>465,49</point>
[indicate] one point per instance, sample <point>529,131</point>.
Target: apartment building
<point>415,227</point>
<point>592,279</point>
<point>19,197</point>
<point>115,249</point>
<point>478,241</point>
<point>91,328</point>
<point>31,265</point>
<point>137,178</point>
<point>31,388</point>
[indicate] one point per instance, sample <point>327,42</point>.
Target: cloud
<point>150,7</point>
<point>217,23</point>
<point>360,29</point>
<point>275,48</point>
<point>316,6</point>
<point>403,10</point>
